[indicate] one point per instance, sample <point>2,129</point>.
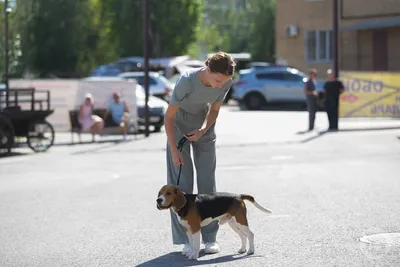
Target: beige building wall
<point>369,8</point>
<point>355,47</point>
<point>307,15</point>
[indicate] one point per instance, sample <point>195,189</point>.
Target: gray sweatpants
<point>204,161</point>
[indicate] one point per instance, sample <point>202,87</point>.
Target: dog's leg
<point>195,246</point>
<point>249,234</point>
<point>190,237</point>
<point>233,225</point>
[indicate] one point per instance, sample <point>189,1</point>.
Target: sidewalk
<point>235,128</point>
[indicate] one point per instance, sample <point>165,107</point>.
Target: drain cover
<point>390,239</point>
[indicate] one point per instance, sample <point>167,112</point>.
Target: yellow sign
<point>370,94</point>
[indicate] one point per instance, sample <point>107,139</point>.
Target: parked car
<point>256,87</point>
<point>159,85</point>
<point>157,109</point>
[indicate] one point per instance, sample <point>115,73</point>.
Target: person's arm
<point>80,113</point>
<point>169,120</point>
<point>213,112</point>
<point>211,117</point>
<point>324,88</point>
<point>341,88</point>
<point>126,108</point>
<point>306,91</point>
<point>182,87</point>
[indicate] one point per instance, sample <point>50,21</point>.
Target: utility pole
<point>335,29</point>
<point>6,53</point>
<point>145,5</point>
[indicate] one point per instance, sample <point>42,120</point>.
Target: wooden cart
<point>24,116</point>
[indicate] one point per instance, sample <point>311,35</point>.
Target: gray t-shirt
<point>191,95</point>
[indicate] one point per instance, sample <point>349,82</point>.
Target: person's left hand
<point>194,135</point>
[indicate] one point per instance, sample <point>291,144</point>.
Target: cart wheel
<point>6,136</point>
<point>40,136</point>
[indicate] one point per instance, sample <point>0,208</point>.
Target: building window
<point>319,46</point>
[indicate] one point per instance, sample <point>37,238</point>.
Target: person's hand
<point>315,93</point>
<point>194,135</point>
<point>177,157</point>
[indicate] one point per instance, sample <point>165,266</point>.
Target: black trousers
<point>332,110</point>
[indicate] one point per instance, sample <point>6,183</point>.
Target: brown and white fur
<point>198,210</point>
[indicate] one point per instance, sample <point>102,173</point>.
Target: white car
<point>159,85</point>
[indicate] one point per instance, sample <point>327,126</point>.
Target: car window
<point>293,77</point>
<point>278,76</point>
<point>140,80</point>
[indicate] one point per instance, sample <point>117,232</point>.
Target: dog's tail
<point>255,203</point>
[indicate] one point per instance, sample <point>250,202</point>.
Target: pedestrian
<point>119,113</point>
<point>332,89</point>
<point>310,90</point>
<point>192,112</point>
<point>87,120</point>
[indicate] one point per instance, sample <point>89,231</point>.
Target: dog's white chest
<point>184,223</point>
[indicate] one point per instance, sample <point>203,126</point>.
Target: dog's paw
<point>250,252</point>
<point>193,255</point>
<point>242,250</point>
<point>187,251</point>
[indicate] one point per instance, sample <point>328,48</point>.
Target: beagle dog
<point>198,210</point>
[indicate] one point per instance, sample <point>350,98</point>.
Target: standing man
<point>332,89</point>
<point>310,90</point>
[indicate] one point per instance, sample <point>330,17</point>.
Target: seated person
<point>119,112</point>
<point>87,119</point>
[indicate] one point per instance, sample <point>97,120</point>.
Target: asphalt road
<point>94,205</point>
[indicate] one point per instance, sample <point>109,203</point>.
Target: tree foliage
<point>68,38</point>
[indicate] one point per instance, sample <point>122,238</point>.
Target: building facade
<point>369,38</point>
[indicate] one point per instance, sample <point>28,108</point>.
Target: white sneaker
<point>186,249</point>
<point>211,248</point>
<point>125,137</point>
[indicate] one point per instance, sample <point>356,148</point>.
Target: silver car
<point>159,86</point>
<point>256,87</point>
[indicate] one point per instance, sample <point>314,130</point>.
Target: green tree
<point>58,37</point>
<point>13,41</point>
<point>242,26</point>
<point>262,37</point>
<point>172,26</point>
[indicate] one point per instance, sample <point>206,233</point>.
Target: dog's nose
<point>159,200</point>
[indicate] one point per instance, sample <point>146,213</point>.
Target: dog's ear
<point>180,199</point>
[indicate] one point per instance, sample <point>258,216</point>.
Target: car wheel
<point>254,101</point>
<point>157,129</point>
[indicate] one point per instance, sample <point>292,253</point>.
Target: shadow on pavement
<point>365,129</point>
<point>96,149</point>
<point>176,259</point>
<point>14,154</point>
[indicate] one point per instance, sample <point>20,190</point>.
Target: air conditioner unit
<point>291,31</point>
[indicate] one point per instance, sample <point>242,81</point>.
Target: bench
<point>109,125</point>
